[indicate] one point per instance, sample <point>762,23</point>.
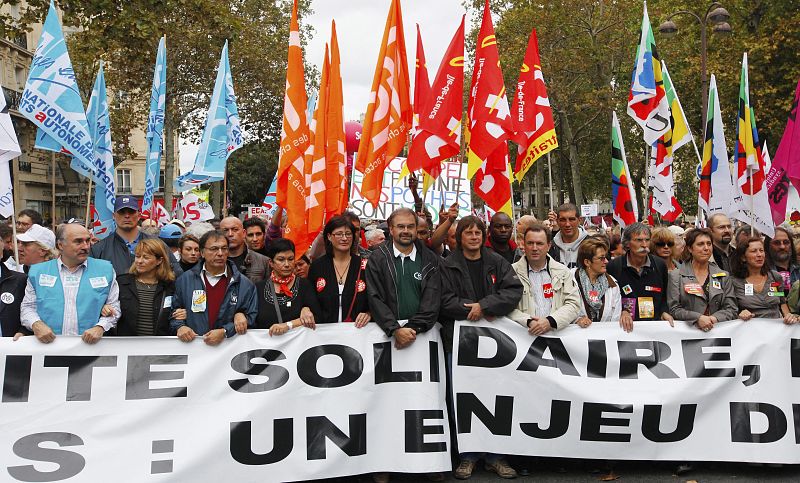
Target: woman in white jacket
<point>600,296</point>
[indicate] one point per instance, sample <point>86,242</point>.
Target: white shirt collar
<point>61,265</point>
<point>412,255</point>
<point>209,275</point>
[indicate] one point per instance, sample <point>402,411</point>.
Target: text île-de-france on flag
<point>647,101</point>
<point>335,152</point>
<point>750,169</point>
<point>9,149</point>
<point>389,114</point>
<point>315,158</point>
<point>490,123</point>
<point>97,114</point>
<point>717,193</point>
<point>51,99</point>
<point>438,135</point>
<point>785,167</point>
<point>222,134</point>
<point>623,198</point>
<point>155,126</point>
<point>291,184</point>
<point>536,131</point>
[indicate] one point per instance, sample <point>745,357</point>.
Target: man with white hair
<point>374,238</point>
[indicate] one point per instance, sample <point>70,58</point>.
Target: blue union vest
<point>92,293</point>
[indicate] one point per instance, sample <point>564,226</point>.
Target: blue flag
<point>222,134</point>
<point>155,126</point>
<point>51,99</point>
<point>100,130</point>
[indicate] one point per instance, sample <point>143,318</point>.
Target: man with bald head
<point>251,264</point>
<point>499,239</point>
<point>66,296</point>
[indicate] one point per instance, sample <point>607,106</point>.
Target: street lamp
<point>715,16</point>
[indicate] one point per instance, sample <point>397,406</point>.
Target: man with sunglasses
<point>721,237</point>
<point>642,278</point>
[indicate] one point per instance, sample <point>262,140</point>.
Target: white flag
<point>9,149</point>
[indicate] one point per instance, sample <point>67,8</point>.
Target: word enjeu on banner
<point>310,404</point>
<point>658,393</point>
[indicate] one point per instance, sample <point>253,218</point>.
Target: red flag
<point>438,135</point>
<point>315,159</point>
<point>536,131</point>
<point>422,84</point>
<point>335,156</point>
<point>389,113</point>
<point>291,186</point>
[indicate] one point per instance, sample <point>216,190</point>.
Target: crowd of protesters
<point>216,280</point>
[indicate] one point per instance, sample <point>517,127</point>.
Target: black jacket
<point>322,276</point>
<point>652,282</point>
<point>129,305</point>
<point>12,290</point>
<point>501,284</point>
<point>113,249</point>
<point>382,289</point>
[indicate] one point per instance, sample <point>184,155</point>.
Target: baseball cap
<point>38,233</point>
<point>178,222</point>
<point>126,202</point>
<point>170,232</point>
<point>676,230</point>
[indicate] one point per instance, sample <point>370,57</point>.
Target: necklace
<point>148,285</point>
<point>759,285</point>
<point>340,276</point>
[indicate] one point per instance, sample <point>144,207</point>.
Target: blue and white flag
<point>222,134</point>
<point>51,99</point>
<point>100,129</point>
<point>155,126</point>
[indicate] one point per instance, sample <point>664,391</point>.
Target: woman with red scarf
<point>285,301</point>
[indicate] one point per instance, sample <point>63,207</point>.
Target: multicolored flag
<point>489,122</point>
<point>786,164</point>
<point>438,135</point>
<point>155,126</point>
<point>389,114</point>
<point>750,168</point>
<point>536,131</point>
<point>623,197</point>
<point>52,101</point>
<point>315,159</point>
<point>97,114</point>
<point>222,134</point>
<point>335,153</point>
<point>681,133</point>
<point>647,101</point>
<point>717,193</point>
<point>9,149</point>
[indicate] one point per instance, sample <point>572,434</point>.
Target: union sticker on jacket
<point>98,282</point>
<point>46,280</point>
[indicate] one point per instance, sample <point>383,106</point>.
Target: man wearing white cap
<point>36,245</point>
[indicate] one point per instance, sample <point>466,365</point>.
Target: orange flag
<point>536,132</point>
<point>438,135</point>
<point>490,123</point>
<point>422,84</point>
<point>389,113</point>
<point>316,161</point>
<point>335,158</point>
<point>291,186</point>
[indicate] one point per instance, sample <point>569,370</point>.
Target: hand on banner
<point>584,322</point>
<point>307,318</point>
<point>240,323</point>
<point>18,336</point>
<point>403,337</point>
<point>43,332</point>
<point>178,314</point>
<point>668,318</point>
<point>279,329</point>
<point>362,319</point>
<point>745,315</point>
<point>475,312</point>
<point>107,311</point>
<point>788,319</point>
<point>705,323</point>
<point>214,337</point>
<point>538,325</point>
<point>626,321</point>
<point>186,334</point>
<point>91,336</point>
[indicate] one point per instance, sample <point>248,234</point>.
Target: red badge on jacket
<point>320,284</point>
<point>494,279</point>
<point>363,264</point>
<point>361,286</point>
<point>547,289</point>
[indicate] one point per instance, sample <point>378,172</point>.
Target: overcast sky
<point>359,27</point>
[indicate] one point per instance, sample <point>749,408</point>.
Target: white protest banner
<point>452,184</point>
<point>589,210</point>
<point>310,404</point>
<point>195,209</point>
<point>658,393</point>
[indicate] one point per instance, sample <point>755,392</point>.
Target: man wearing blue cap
<point>118,248</point>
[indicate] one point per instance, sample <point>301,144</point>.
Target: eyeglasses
<point>221,249</point>
<point>662,244</point>
<point>343,235</point>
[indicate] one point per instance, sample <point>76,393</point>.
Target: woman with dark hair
<point>600,293</point>
<point>285,301</point>
<point>188,251</point>
<point>700,292</point>
<point>338,276</point>
<point>302,265</point>
<point>145,292</point>
<point>759,291</point>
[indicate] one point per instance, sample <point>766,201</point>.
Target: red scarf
<point>283,284</point>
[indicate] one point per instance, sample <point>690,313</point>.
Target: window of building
<point>162,180</point>
<point>123,181</point>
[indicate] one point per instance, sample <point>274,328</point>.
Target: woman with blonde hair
<point>145,292</point>
<point>662,244</point>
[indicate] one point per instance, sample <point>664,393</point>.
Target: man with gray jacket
<point>550,298</point>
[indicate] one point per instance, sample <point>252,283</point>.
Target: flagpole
<point>88,204</point>
<point>752,207</point>
<point>550,179</point>
<point>225,192</point>
<point>14,232</point>
<point>53,165</point>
